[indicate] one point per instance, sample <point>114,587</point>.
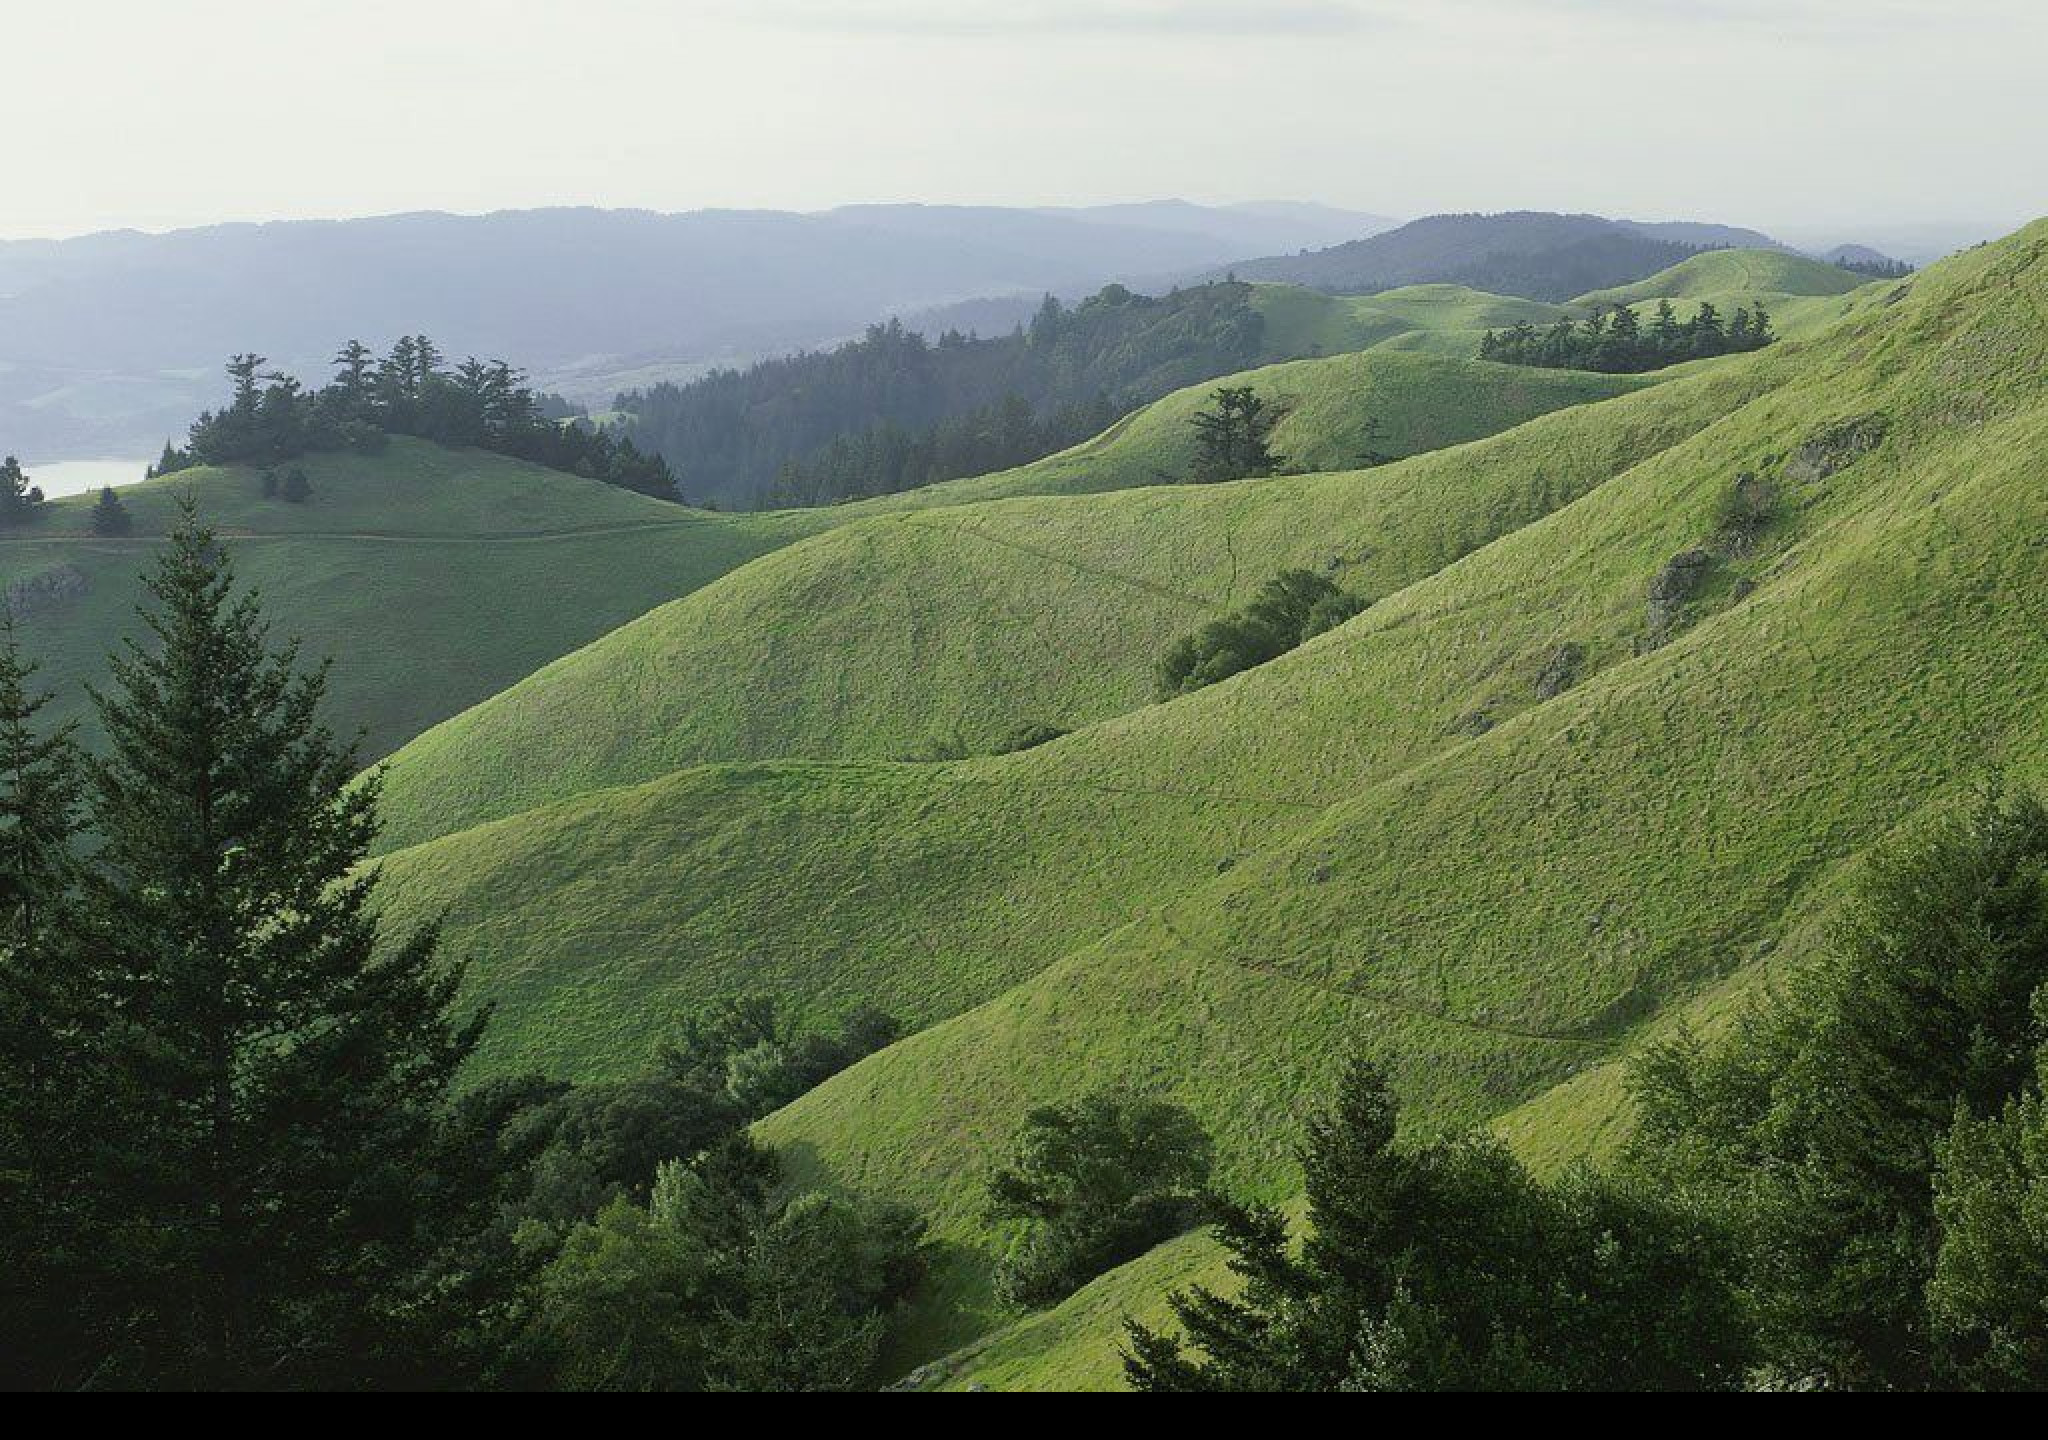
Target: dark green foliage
<point>893,410</point>
<point>273,418</point>
<point>44,1013</point>
<point>1819,1127</point>
<point>282,1189</point>
<point>721,1283</point>
<point>1292,608</point>
<point>1447,1267</point>
<point>731,1063</point>
<point>18,496</point>
<point>754,1052</point>
<point>1029,737</point>
<point>109,515</point>
<point>1614,341</point>
<point>1096,1183</point>
<point>1988,1300</point>
<point>1878,268</point>
<point>887,457</point>
<point>296,487</point>
<point>1232,437</point>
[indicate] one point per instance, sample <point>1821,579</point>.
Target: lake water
<point>82,477</point>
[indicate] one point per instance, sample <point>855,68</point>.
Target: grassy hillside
<point>1309,322</point>
<point>434,577</point>
<point>945,630</point>
<point>1805,297</point>
<point>1397,834</point>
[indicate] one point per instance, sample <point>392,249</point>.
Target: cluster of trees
<point>1093,1184</point>
<point>1617,341</point>
<point>234,1149</point>
<point>888,457</point>
<point>673,1255</point>
<point>273,418</point>
<point>1873,1134</point>
<point>19,496</point>
<point>1878,268</point>
<point>894,410</point>
<point>1447,1266</point>
<point>1845,1193</point>
<point>1289,610</point>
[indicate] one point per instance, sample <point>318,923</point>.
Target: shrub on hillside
<point>1096,1183</point>
<point>1293,607</point>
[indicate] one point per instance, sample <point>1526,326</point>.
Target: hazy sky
<point>158,113</point>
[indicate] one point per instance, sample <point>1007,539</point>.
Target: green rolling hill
<point>1804,296</point>
<point>1596,759</point>
<point>437,578</point>
<point>949,626</point>
<point>433,577</point>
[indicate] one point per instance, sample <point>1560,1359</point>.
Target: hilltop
<point>1530,254</point>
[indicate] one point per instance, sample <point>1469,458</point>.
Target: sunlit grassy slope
<point>947,629</point>
<point>1387,838</point>
<point>434,577</point>
<point>1308,322</point>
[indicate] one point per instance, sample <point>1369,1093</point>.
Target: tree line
<point>272,417</point>
<point>894,410</point>
<point>238,1149</point>
<point>1617,341</point>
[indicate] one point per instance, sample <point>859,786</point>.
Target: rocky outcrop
<point>1835,448</point>
<point>1560,672</point>
<point>1682,577</point>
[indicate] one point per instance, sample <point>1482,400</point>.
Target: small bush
<point>1029,738</point>
<point>1293,607</point>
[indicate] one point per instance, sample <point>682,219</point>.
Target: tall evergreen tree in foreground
<point>1449,1267</point>
<point>1872,1127</point>
<point>286,1180</point>
<point>41,1022</point>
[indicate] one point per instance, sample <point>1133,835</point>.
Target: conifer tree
<point>1232,438</point>
<point>17,495</point>
<point>287,1178</point>
<point>41,1019</point>
<point>109,515</point>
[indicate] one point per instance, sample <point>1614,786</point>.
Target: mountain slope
<point>1519,907</point>
<point>1388,836</point>
<point>946,628</point>
<point>1539,256</point>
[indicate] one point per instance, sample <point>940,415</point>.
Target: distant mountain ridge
<point>112,340</point>
<point>1533,254</point>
